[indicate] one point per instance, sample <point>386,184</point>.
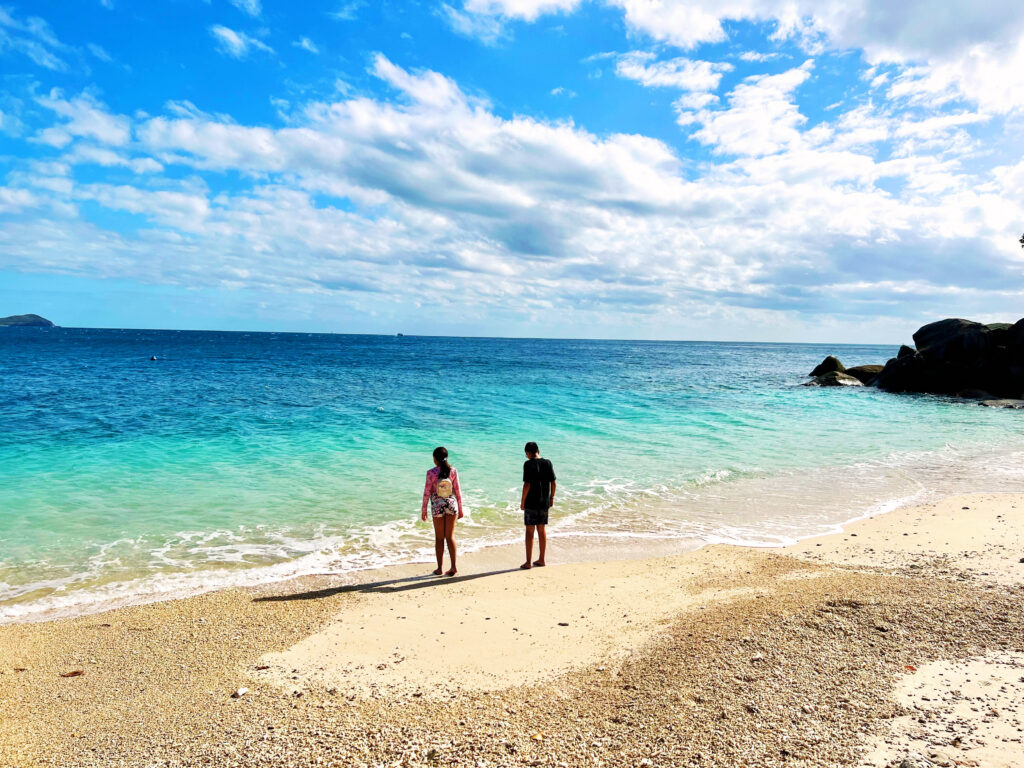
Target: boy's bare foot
<point>525,566</point>
<point>452,572</point>
<point>539,563</point>
<point>437,572</point>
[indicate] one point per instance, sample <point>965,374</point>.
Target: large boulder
<point>955,355</point>
<point>828,365</point>
<point>902,374</point>
<point>1015,336</point>
<point>905,351</point>
<point>864,373</point>
<point>958,341</point>
<point>943,330</point>
<point>834,379</point>
<point>1008,403</point>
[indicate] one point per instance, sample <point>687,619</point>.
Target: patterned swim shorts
<point>441,507</point>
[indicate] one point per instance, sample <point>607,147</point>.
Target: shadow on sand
<point>390,585</point>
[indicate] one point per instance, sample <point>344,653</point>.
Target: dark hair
<point>441,457</point>
<point>531,447</point>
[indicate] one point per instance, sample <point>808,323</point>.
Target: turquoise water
<point>238,458</point>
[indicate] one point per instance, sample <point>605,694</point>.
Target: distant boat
<point>401,334</point>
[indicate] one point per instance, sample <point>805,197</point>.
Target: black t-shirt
<point>538,473</point>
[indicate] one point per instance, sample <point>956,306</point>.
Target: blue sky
<point>750,169</point>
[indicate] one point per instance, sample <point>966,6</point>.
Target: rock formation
<point>955,355</point>
<point>951,357</point>
<point>834,379</point>
<point>828,365</point>
<point>864,373</point>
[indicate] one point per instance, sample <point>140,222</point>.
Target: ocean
<point>240,458</point>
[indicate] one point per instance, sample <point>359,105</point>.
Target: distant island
<point>25,321</point>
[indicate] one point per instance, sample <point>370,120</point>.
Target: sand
<point>968,712</point>
<point>980,536</point>
<point>725,656</point>
<point>487,631</point>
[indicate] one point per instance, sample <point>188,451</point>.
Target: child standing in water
<point>538,497</point>
<point>445,498</point>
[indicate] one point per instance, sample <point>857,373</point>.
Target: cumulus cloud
<point>527,10</point>
<point>684,74</point>
<point>428,194</point>
<point>483,26</point>
<point>962,49</point>
<point>762,116</point>
<point>82,116</point>
<point>236,44</point>
<point>486,19</point>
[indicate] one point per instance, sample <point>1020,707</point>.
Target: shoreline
<point>790,655</point>
<point>585,547</point>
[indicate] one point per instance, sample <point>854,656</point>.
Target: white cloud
<point>762,116</point>
<point>683,24</point>
<point>486,19</point>
<point>959,49</point>
<point>15,200</point>
<point>83,116</point>
<point>236,44</point>
<point>758,56</point>
<point>32,38</point>
<point>886,31</point>
<point>347,11</point>
<point>104,156</point>
<point>434,194</point>
<point>526,10</point>
<point>484,27</point>
<point>307,45</point>
<point>681,73</point>
<point>430,88</point>
<point>99,52</point>
<point>251,7</point>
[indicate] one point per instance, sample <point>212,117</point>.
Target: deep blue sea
<point>236,458</point>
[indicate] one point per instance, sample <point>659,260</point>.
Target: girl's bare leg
<point>529,548</point>
<point>439,543</point>
<point>449,536</point>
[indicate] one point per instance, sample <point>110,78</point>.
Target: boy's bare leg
<point>439,543</point>
<point>542,537</point>
<point>529,548</point>
<point>449,536</point>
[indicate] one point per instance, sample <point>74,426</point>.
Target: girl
<point>445,497</point>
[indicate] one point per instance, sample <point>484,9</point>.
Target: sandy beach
<point>901,638</point>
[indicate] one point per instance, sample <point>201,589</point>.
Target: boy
<point>538,496</point>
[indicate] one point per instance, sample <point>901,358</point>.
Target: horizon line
<point>452,336</point>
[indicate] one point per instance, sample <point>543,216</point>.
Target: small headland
<point>25,321</point>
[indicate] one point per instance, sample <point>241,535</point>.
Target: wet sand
<point>806,655</point>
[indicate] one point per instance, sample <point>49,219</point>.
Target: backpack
<point>444,487</point>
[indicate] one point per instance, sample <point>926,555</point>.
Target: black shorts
<point>535,517</point>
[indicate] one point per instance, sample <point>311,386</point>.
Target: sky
<point>763,170</point>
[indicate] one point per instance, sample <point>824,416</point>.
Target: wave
<point>723,506</point>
